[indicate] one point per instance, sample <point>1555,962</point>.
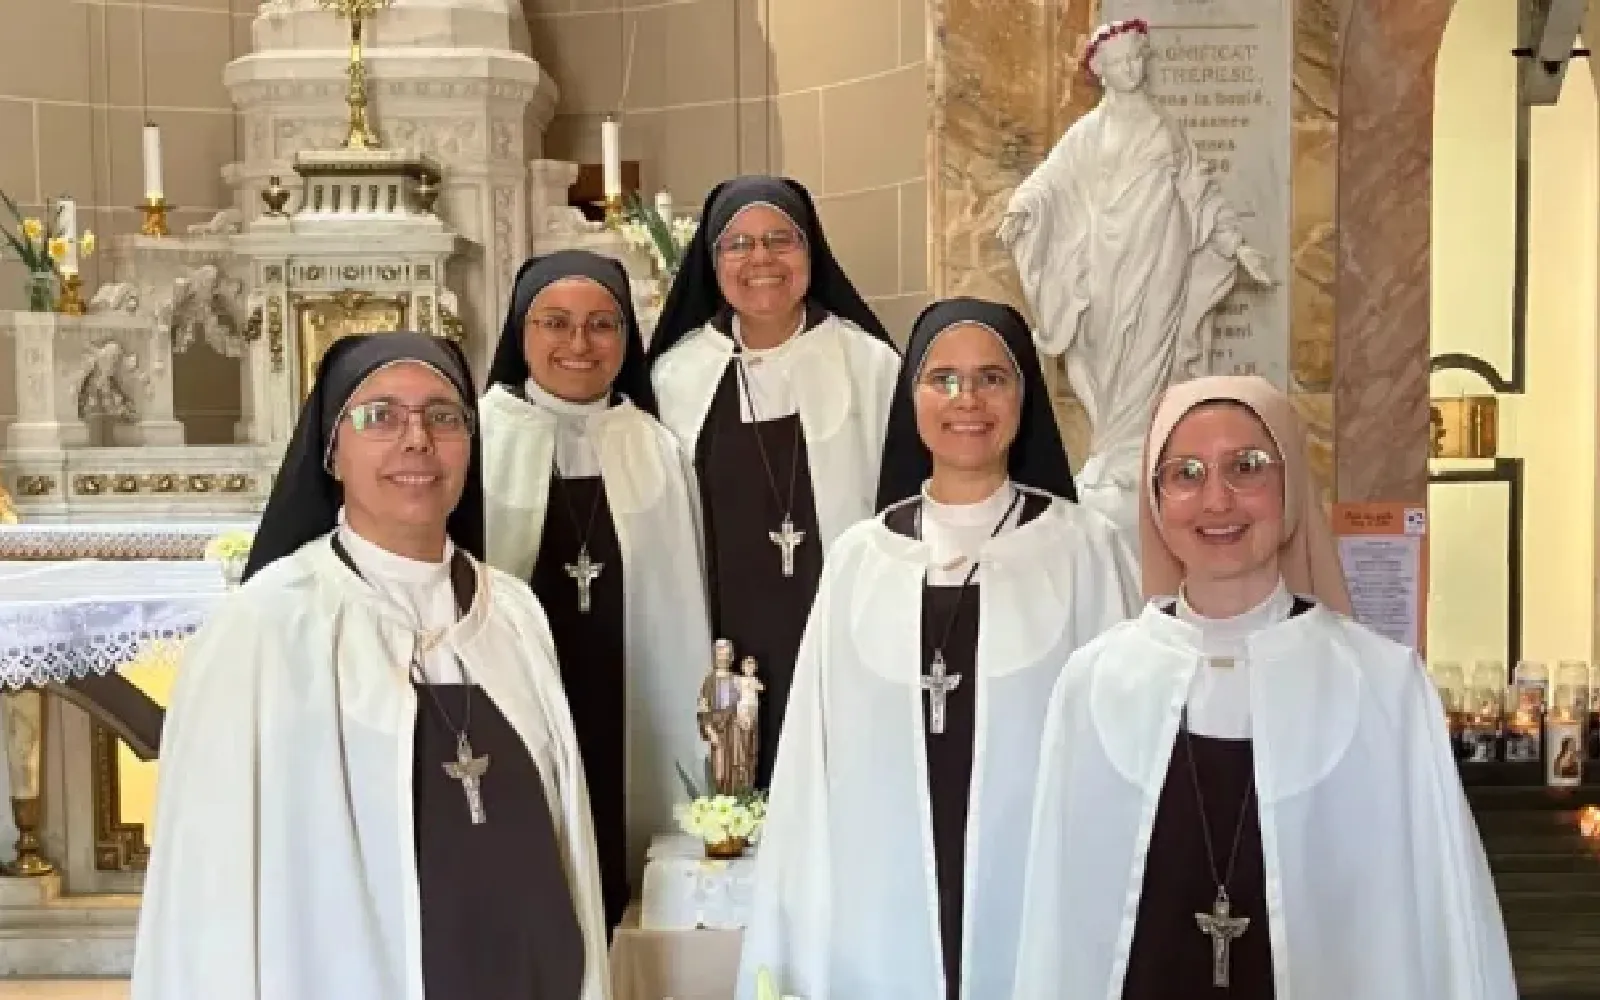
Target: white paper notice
<point>1384,574</point>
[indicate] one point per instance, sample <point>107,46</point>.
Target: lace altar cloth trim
<point>685,891</point>
<point>59,621</point>
<point>62,542</point>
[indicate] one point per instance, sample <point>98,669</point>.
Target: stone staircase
<point>1548,878</point>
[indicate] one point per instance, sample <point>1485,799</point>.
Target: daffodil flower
<point>32,229</point>
<point>58,248</point>
<point>86,242</point>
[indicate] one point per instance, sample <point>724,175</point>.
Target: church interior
<point>203,195</point>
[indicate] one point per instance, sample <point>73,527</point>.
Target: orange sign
<point>1383,548</point>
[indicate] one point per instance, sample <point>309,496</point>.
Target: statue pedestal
<point>45,934</point>
<point>684,891</point>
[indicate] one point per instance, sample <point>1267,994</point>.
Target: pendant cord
<point>417,675</point>
<point>743,377</point>
<point>572,512</point>
<point>1205,824</point>
<point>966,583</point>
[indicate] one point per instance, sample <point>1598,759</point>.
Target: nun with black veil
<point>593,501</point>
<point>891,864</point>
<point>370,785</point>
<point>776,377</point>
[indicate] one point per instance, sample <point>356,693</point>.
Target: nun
<point>593,502</point>
<point>370,786</point>
<point>891,864</point>
<point>1242,791</point>
<point>776,377</point>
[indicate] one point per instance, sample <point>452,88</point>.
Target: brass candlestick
<point>71,301</point>
<point>613,205</point>
<point>357,12</point>
<point>30,862</point>
<point>155,210</point>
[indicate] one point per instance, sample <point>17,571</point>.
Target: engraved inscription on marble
<point>1222,71</point>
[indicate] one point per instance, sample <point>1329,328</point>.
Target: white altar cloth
<point>683,890</point>
<point>61,620</point>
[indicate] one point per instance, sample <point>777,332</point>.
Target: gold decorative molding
<point>118,846</point>
<point>99,483</point>
<point>275,331</point>
<point>322,319</point>
<point>35,486</point>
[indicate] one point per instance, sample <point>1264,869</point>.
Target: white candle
<point>69,231</point>
<point>611,157</point>
<point>664,206</point>
<point>152,163</point>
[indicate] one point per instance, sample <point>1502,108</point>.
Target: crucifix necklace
<point>466,768</point>
<point>585,571</point>
<point>1220,925</point>
<point>938,682</point>
<point>786,538</point>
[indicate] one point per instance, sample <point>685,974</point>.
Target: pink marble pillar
<point>1382,291</point>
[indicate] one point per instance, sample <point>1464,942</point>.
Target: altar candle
<point>611,156</point>
<point>664,206</point>
<point>69,231</point>
<point>152,163</point>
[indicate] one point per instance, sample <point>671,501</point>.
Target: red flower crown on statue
<point>1106,32</point>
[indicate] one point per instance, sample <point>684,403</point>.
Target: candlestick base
<point>613,205</point>
<point>71,301</point>
<point>155,217</point>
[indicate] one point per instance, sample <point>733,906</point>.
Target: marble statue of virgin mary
<point>1125,247</point>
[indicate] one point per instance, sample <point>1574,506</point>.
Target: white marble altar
<point>446,81</point>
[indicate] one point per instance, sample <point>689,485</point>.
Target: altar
<point>94,616</point>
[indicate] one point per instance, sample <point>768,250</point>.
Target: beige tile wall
<point>78,79</point>
<point>830,92</point>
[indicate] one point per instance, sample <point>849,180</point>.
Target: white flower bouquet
<point>726,824</point>
<point>665,239</point>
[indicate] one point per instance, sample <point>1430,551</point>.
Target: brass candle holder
<point>71,301</point>
<point>155,210</point>
<point>30,862</point>
<point>613,205</point>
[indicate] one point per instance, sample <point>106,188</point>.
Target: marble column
<point>1381,341</point>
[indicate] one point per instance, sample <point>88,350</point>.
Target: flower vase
<point>726,850</point>
<point>41,291</point>
<point>232,570</point>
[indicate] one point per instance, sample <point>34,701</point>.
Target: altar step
<point>1547,875</point>
<point>45,934</point>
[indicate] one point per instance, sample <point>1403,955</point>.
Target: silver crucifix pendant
<point>584,572</point>
<point>1222,929</point>
<point>468,770</point>
<point>938,686</point>
<point>787,540</point>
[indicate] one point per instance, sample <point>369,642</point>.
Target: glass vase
<point>41,291</point>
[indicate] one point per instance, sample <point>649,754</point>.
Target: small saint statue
<point>747,724</point>
<point>716,713</point>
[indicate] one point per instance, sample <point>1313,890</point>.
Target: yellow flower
<point>32,229</point>
<point>58,248</point>
<point>86,242</point>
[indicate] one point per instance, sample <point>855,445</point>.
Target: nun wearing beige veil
<point>1243,792</point>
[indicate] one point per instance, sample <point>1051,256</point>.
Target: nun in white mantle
<point>1243,792</point>
<point>592,502</point>
<point>891,866</point>
<point>370,788</point>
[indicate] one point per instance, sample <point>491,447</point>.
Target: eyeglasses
<point>600,326</point>
<point>387,420</point>
<point>1246,471</point>
<point>777,242</point>
<point>985,382</point>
